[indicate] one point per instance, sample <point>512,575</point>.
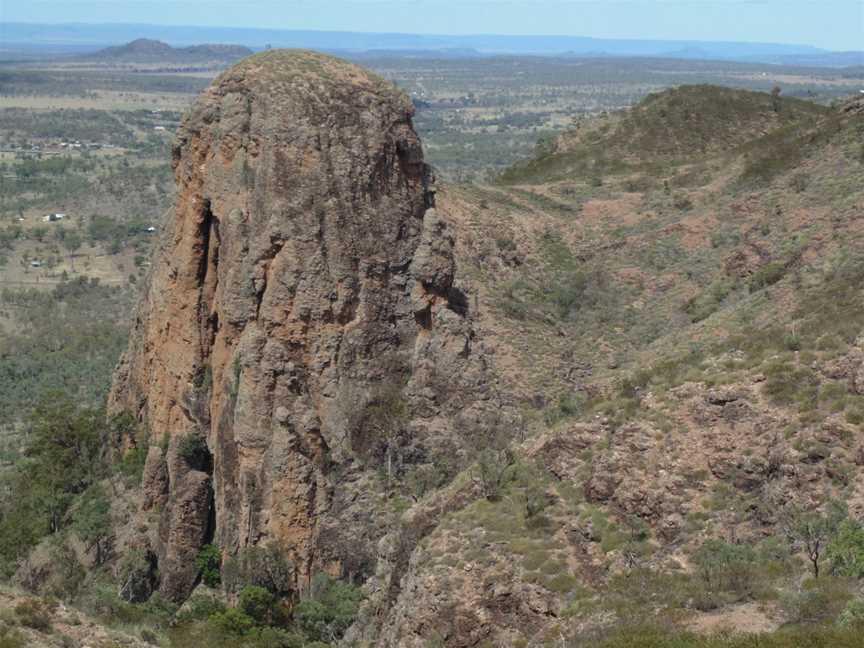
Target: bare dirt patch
<point>749,618</point>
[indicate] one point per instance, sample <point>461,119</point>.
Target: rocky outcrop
<point>304,273</point>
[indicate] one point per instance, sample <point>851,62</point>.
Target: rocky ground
<point>30,622</point>
<point>682,373</point>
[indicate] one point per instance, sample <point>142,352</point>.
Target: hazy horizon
<point>836,25</point>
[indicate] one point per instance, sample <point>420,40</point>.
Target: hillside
<point>144,50</point>
<point>668,128</point>
<point>613,399</point>
<point>682,333</point>
<point>673,230</point>
<point>31,622</point>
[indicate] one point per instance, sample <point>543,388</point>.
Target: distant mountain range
<point>26,38</point>
<point>149,50</point>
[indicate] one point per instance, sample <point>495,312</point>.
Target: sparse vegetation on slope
<point>672,128</point>
<point>729,364</point>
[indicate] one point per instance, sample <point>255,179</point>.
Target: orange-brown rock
<point>303,270</point>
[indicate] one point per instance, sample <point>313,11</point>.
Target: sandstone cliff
<point>304,279</point>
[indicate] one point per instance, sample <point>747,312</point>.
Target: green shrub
<point>11,638</point>
<point>709,301</point>
<point>209,562</point>
<point>562,583</point>
<point>635,594</point>
<point>264,566</point>
<point>92,522</point>
<point>193,449</point>
<point>774,557</point>
<point>505,243</point>
<point>786,384</point>
<point>137,575</point>
<point>568,406</point>
<point>68,642</point>
<point>811,531</point>
<point>855,417</point>
<point>328,609</point>
<point>775,153</point>
<point>682,202</point>
<point>572,293</point>
<point>728,571</point>
<point>377,427</point>
<point>514,308</point>
<point>132,463</point>
<point>200,608</point>
<point>792,342</point>
<point>231,630</point>
<point>67,576</point>
<point>35,613</point>
<point>232,622</point>
<point>799,182</point>
<point>852,615</point>
<point>768,275</point>
<point>819,600</point>
<point>494,458</point>
<point>845,552</point>
<point>101,600</point>
<point>258,604</point>
<point>425,478</point>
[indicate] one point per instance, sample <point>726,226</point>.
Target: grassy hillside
<point>665,129</point>
<point>683,331</point>
<point>649,251</point>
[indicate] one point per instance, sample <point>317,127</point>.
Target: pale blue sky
<point>832,24</point>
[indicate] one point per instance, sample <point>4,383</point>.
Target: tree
<point>258,604</point>
<point>72,241</point>
<point>811,531</point>
<point>138,575</point>
<point>209,562</point>
<point>490,445</point>
<point>775,98</point>
<point>265,566</point>
<point>386,416</point>
<point>39,233</point>
<point>726,567</point>
<point>232,622</point>
<point>62,459</point>
<point>92,522</point>
<point>61,434</point>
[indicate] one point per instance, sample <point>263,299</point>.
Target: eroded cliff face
<point>303,273</point>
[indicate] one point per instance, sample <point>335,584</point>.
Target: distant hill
<point>444,53</point>
<point>488,44</point>
<point>145,50</point>
<point>823,59</point>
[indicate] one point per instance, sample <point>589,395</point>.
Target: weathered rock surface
<point>303,270</point>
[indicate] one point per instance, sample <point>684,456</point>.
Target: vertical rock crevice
<point>208,279</point>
